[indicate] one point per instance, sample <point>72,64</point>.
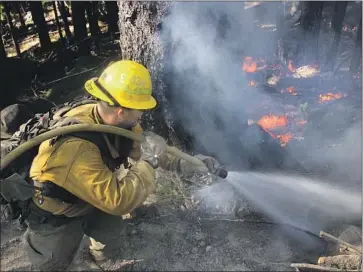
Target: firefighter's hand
<point>152,148</point>
<point>211,165</point>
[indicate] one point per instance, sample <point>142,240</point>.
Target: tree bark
<point>57,21</point>
<point>337,21</point>
<point>357,55</point>
<point>14,30</point>
<point>112,17</point>
<point>139,42</point>
<point>16,6</point>
<point>37,12</point>
<point>64,15</point>
<point>310,20</point>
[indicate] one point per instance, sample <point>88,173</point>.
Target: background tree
<point>2,48</point>
<point>310,20</point>
<point>112,17</point>
<point>37,11</point>
<point>14,30</point>
<point>64,15</point>
<point>16,6</point>
<point>93,15</point>
<point>54,4</point>
<point>337,21</point>
<point>79,23</point>
<point>357,55</point>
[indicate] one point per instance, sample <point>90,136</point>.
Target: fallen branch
<point>334,239</point>
<point>317,267</point>
<point>341,261</point>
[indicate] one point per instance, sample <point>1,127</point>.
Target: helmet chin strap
<point>106,93</point>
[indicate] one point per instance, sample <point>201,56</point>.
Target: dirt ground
<point>182,237</point>
<point>171,243</point>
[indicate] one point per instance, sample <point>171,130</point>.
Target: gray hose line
<point>8,158</point>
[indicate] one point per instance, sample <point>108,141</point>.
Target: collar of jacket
<point>111,147</point>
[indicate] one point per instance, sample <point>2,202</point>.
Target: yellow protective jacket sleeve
<point>169,162</point>
<point>78,167</point>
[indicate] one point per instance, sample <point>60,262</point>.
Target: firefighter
<point>81,190</point>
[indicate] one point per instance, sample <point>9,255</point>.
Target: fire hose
<point>17,152</point>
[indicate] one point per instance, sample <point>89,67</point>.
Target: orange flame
<point>284,138</point>
<point>251,83</point>
<point>291,67</point>
<point>249,66</point>
<point>290,90</point>
<point>268,122</point>
<point>329,96</point>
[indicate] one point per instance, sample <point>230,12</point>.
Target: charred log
<point>337,21</point>
<point>37,12</point>
<point>13,29</point>
<point>64,15</point>
<point>357,55</point>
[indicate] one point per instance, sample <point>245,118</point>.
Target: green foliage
<point>304,107</point>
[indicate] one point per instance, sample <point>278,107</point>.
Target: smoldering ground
<point>208,42</point>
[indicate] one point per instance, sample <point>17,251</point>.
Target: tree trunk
<point>2,47</point>
<point>64,15</point>
<point>16,6</point>
<point>79,20</point>
<point>79,24</point>
<point>337,21</point>
<point>139,42</point>
<point>92,14</point>
<point>112,17</point>
<point>14,30</point>
<point>57,21</point>
<point>37,12</point>
<point>310,20</point>
<point>357,55</point>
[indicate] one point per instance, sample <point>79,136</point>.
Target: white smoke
<point>208,88</point>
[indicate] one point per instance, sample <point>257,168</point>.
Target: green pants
<point>52,247</point>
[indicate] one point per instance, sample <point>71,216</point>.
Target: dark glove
<point>152,148</point>
<point>211,165</point>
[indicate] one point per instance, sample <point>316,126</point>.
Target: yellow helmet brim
<point>126,100</point>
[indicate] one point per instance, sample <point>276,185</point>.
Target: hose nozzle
<point>222,173</point>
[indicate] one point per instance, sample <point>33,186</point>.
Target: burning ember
<point>329,96</point>
<point>272,123</point>
<point>251,83</point>
<point>284,138</point>
<point>291,67</point>
<point>269,122</point>
<point>249,65</point>
<point>290,90</point>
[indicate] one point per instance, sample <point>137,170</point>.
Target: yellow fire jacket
<point>77,166</point>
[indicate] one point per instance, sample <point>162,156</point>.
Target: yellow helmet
<point>124,83</point>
